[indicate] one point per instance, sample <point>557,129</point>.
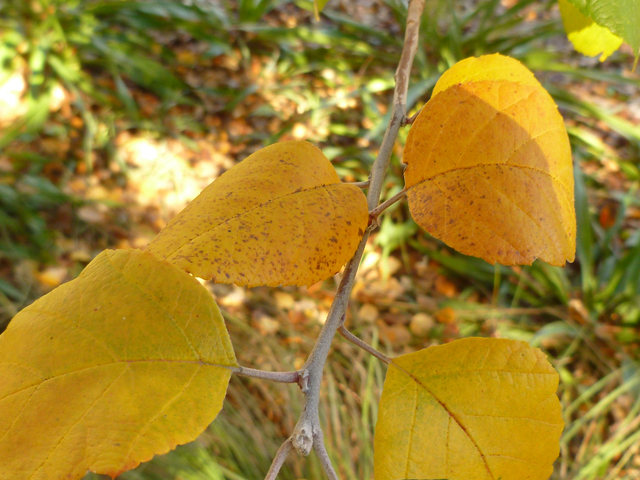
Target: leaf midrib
<point>449,412</point>
<point>480,165</point>
<point>153,360</point>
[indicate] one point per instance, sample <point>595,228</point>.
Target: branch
<point>399,111</point>
<point>307,432</point>
<point>363,345</point>
<point>299,376</point>
<point>309,422</point>
<point>281,455</point>
<point>323,456</point>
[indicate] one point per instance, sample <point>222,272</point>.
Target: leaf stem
<point>375,213</point>
<point>299,376</point>
<point>363,345</point>
<point>412,118</point>
<point>364,184</point>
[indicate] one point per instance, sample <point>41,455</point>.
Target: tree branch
<point>307,432</point>
<point>399,111</point>
<point>309,422</point>
<point>323,456</point>
<point>281,455</point>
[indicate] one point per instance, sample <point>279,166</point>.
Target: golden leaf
<point>122,363</point>
<point>281,216</point>
<point>489,167</point>
<point>473,409</point>
<point>587,37</point>
<point>318,6</point>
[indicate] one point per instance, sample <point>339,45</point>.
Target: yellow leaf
<point>489,167</point>
<point>474,409</point>
<point>281,216</point>
<point>122,363</point>
<point>587,37</point>
<point>486,68</point>
<point>318,6</point>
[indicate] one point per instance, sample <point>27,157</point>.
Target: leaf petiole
<point>364,184</point>
<point>411,119</point>
<point>299,376</point>
<point>363,345</point>
<point>376,212</point>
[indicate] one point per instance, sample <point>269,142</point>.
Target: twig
<point>323,456</point>
<point>283,377</point>
<point>363,345</point>
<point>307,431</point>
<point>281,455</point>
<point>375,213</point>
<point>399,111</point>
<point>309,422</point>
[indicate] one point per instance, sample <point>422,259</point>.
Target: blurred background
<point>114,114</point>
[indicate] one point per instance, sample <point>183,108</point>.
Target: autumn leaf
<point>281,216</point>
<point>621,17</point>
<point>587,37</point>
<point>124,362</point>
<point>489,167</point>
<point>318,6</point>
<point>473,409</point>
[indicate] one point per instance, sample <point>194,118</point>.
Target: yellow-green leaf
<point>318,6</point>
<point>281,216</point>
<point>474,409</point>
<point>124,362</point>
<point>621,17</point>
<point>489,168</point>
<point>587,37</point>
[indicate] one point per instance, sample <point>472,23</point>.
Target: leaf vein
<point>98,398</point>
<point>79,327</point>
<point>245,212</point>
<point>515,204</point>
<point>449,412</point>
<point>157,302</point>
<point>479,130</point>
<point>413,422</point>
<point>24,405</point>
<point>167,405</point>
<point>510,417</point>
<point>481,224</point>
<point>198,362</point>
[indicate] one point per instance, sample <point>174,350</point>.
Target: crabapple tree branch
<point>307,433</point>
